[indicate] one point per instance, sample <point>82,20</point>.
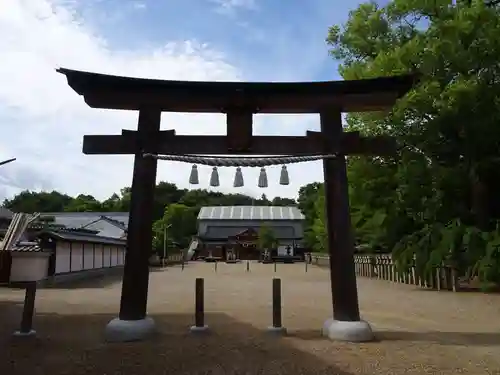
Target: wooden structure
<point>383,267</point>
<point>245,244</point>
<point>222,229</point>
<point>239,101</point>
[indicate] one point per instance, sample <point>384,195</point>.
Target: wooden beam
<point>133,133</point>
<point>115,92</point>
<point>358,102</point>
<point>351,144</point>
<point>239,130</point>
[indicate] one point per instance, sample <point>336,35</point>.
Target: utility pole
<point>165,243</point>
<point>7,161</point>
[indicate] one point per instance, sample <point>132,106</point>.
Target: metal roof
<point>262,213</point>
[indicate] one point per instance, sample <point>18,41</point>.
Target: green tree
<point>267,239</point>
<point>30,202</point>
<point>448,124</point>
<point>181,223</point>
<point>318,235</point>
<point>83,203</point>
<point>278,201</point>
<point>308,195</point>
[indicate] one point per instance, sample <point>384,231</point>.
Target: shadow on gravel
<point>74,344</point>
<point>442,338</point>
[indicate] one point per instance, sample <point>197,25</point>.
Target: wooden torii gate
<point>239,101</point>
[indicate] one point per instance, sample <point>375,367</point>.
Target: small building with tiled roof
<point>236,227</point>
<point>74,252</point>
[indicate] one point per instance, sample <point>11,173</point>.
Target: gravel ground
<point>419,332</point>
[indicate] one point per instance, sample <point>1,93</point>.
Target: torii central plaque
<point>239,101</point>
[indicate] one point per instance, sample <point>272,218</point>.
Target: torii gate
<point>239,101</point>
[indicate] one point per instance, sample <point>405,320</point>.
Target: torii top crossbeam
<point>116,92</point>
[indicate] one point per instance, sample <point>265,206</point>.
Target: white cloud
<point>139,5</point>
<point>43,120</point>
<point>230,6</point>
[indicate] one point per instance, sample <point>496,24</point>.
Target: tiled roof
<point>119,224</point>
<point>112,227</point>
<point>83,237</point>
<point>60,228</point>
<point>261,213</point>
<point>5,213</point>
<point>26,247</point>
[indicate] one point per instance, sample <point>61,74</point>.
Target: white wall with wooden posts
<point>82,256</point>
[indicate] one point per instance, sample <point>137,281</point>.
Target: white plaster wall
<point>98,256</point>
<point>118,256</point>
<point>282,250</point>
<point>88,257</point>
<point>107,257</point>
<point>76,257</point>
<point>82,255</point>
<point>62,257</point>
<point>29,266</point>
<point>112,250</point>
<point>112,255</point>
<point>122,253</point>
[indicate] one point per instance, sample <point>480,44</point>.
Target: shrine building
<point>235,229</point>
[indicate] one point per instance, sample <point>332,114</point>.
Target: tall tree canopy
<point>448,126</point>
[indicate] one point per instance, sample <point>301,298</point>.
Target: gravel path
<point>420,332</point>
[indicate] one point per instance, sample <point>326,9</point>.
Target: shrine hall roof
<point>117,92</point>
<point>261,213</point>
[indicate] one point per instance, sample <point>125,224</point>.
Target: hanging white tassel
<point>238,178</point>
<point>214,178</point>
<point>284,179</point>
<point>262,178</point>
<point>193,177</point>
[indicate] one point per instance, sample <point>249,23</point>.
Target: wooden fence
<point>382,267</point>
<point>175,258</point>
<point>171,259</point>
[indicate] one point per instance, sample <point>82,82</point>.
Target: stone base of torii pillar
<point>359,331</point>
<point>119,330</point>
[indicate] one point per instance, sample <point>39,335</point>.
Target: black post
<point>26,328</point>
<point>215,267</point>
<point>134,297</point>
<point>306,264</point>
<point>248,266</point>
<point>340,241</point>
<point>199,313</point>
<point>276,302</point>
<point>70,255</point>
<point>274,266</point>
<point>277,327</point>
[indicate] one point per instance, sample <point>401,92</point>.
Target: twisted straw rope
<point>229,161</point>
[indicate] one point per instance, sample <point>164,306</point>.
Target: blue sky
<point>264,38</point>
<point>253,40</point>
